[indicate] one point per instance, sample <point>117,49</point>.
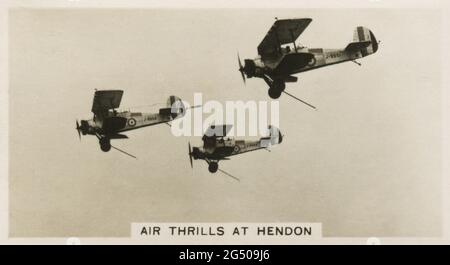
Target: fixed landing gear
<point>274,94</point>
<point>105,144</point>
<point>213,167</point>
<point>276,88</point>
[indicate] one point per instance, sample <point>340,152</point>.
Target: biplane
<point>216,146</point>
<point>280,57</point>
<point>108,123</point>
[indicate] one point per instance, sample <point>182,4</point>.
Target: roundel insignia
<point>132,122</point>
<point>312,62</point>
<point>236,149</point>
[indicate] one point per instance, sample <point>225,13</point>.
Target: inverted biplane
<point>108,123</point>
<point>278,60</point>
<point>216,146</point>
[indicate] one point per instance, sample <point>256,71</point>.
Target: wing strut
<point>293,41</point>
<point>278,42</point>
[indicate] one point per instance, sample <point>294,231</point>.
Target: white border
<point>4,107</point>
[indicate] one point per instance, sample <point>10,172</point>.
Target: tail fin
<point>275,137</point>
<point>363,40</point>
<point>172,100</point>
<point>175,107</point>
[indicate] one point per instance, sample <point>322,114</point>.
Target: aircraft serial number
<point>333,55</point>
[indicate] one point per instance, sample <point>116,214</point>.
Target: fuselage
<point>117,122</point>
<point>322,58</point>
<point>221,147</point>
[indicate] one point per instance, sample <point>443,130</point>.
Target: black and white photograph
<point>161,123</point>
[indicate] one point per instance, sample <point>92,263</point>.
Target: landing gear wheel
<point>279,85</point>
<point>105,144</point>
<point>213,167</point>
<point>274,93</point>
<point>276,89</point>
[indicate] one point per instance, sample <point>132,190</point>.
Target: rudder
<point>363,34</point>
<point>175,107</point>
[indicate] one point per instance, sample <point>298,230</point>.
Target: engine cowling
<point>113,124</point>
<point>249,68</point>
<point>84,127</point>
<point>196,153</point>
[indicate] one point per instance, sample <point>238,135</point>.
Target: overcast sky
<point>366,163</point>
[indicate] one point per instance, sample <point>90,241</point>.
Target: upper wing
<point>282,31</point>
<point>218,130</point>
<point>105,100</point>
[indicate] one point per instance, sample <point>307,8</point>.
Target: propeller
<point>241,68</point>
<point>190,154</point>
<point>78,130</point>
